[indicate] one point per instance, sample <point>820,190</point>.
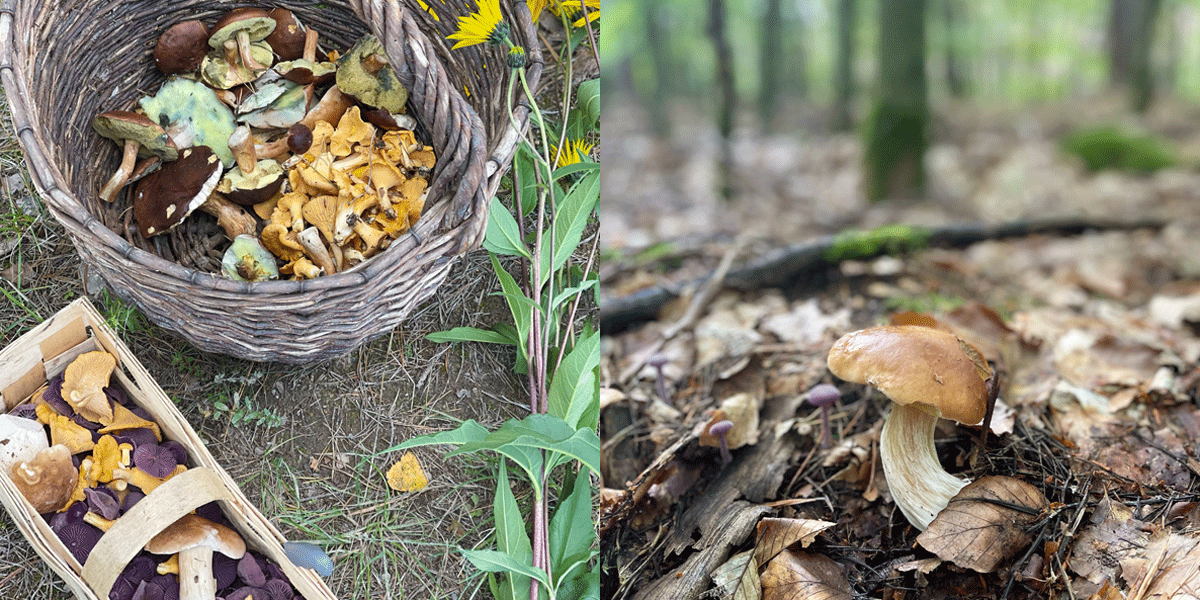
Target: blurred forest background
<point>790,118</point>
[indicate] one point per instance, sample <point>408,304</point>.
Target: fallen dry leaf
<point>977,530</point>
<point>737,579</point>
<point>406,475</point>
<point>776,534</point>
<point>1168,567</point>
<point>804,576</point>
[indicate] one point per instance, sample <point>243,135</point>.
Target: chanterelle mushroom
<point>84,383</point>
<point>928,375</point>
<point>195,539</point>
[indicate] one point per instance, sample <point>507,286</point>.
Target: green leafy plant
<point>240,410</point>
<point>544,276</point>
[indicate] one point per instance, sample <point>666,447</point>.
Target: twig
<point>695,309</point>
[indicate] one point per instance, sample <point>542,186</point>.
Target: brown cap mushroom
<point>166,197</point>
<point>195,539</point>
<point>48,479</point>
<point>138,135</point>
<point>287,39</point>
<point>242,25</point>
<point>181,47</point>
<point>927,373</point>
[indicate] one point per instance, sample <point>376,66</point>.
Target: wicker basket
<point>45,351</point>
<point>63,62</point>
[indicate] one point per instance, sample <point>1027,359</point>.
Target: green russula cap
<point>193,116</point>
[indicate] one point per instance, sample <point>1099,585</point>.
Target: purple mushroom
<point>279,589</point>
<point>79,538</point>
<point>103,502</point>
<point>250,570</point>
<point>154,460</point>
<point>137,437</point>
<point>824,395</point>
<point>721,430</point>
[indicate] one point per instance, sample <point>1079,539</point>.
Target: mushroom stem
<point>230,49</point>
<point>311,240</point>
<point>919,485</point>
<point>196,574</point>
<point>310,45</point>
<point>121,177</point>
<point>231,217</point>
<point>243,45</point>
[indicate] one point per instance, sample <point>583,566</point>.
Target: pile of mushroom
<point>309,164</point>
<point>83,455</point>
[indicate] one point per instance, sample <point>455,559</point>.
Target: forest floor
<point>1095,335</point>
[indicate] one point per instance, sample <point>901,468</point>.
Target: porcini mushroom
<point>287,39</point>
<point>165,198</point>
<point>48,479</point>
<point>242,26</point>
<point>929,376</point>
<point>20,440</point>
<point>137,134</point>
<point>181,47</point>
<point>196,539</point>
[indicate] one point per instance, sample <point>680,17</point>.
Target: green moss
<point>894,151</point>
<point>1108,147</point>
<point>889,239</point>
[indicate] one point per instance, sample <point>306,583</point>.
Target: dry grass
<point>312,464</point>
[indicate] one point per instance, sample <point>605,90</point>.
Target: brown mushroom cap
<point>913,364</point>
<point>181,47</point>
<point>254,21</point>
<point>48,479</point>
<point>191,531</point>
<point>166,197</point>
<point>287,40</point>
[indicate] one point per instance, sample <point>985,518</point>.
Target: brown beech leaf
<point>977,530</point>
<point>804,576</point>
<point>776,534</point>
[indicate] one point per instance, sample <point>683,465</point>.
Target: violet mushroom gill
<point>929,375</point>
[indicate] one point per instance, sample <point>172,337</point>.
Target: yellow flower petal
<point>485,25</point>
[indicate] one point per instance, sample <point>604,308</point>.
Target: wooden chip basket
<point>61,63</point>
<point>44,352</point>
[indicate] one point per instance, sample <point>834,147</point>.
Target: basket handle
<point>459,139</point>
<point>168,502</point>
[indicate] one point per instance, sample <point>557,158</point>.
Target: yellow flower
<point>485,26</point>
<point>429,9</point>
<point>574,151</point>
<point>565,7</point>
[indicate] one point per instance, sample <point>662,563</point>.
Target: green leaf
<point>469,334</point>
<point>503,235</point>
<point>511,538</point>
<point>574,384</point>
<point>584,587</point>
<point>573,168</point>
<point>525,175</point>
<point>544,432</point>
<point>570,220</point>
<point>588,99</point>
<point>571,529</point>
<point>493,561</point>
<point>469,431</point>
<point>521,311</point>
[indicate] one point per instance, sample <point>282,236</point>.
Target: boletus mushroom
<point>929,375</point>
<point>46,480</point>
<point>181,47</point>
<point>196,539</point>
<point>166,197</point>
<point>137,134</point>
<point>242,26</point>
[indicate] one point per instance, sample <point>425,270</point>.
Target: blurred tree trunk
<point>656,97</point>
<point>770,61</point>
<point>896,135</point>
<point>1141,76</point>
<point>727,98</point>
<point>843,72</point>
<point>956,78</point>
<point>1121,17</point>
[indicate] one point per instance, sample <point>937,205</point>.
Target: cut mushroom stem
<point>310,45</point>
<point>919,484</point>
<point>230,49</point>
<point>121,177</point>
<point>311,240</point>
<point>242,145</point>
<point>231,217</point>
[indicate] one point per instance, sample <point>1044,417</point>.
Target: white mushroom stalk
<point>919,485</point>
